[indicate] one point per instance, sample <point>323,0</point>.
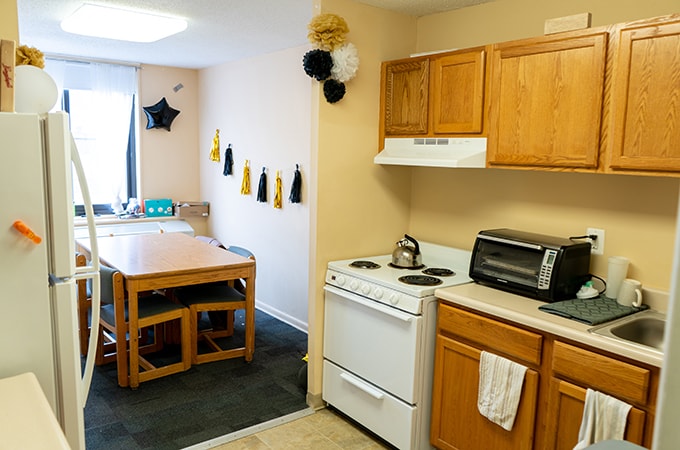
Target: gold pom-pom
<point>327,31</point>
<point>29,56</point>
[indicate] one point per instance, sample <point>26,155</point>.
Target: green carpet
<point>205,402</point>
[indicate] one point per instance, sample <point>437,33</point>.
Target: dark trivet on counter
<point>591,311</point>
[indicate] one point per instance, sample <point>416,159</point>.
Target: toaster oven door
<point>507,263</point>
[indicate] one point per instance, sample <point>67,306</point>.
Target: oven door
<point>376,342</point>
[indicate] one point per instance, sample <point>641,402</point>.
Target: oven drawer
<point>383,414</point>
<point>378,343</point>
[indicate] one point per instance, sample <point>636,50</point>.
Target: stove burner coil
<point>420,280</point>
<point>364,265</point>
<point>439,272</point>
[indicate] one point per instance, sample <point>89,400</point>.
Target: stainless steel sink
<point>645,329</point>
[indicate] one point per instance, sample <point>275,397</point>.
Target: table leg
<point>250,316</point>
<point>121,341</point>
<point>134,338</point>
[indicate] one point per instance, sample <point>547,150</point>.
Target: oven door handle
<point>384,309</point>
<point>376,394</point>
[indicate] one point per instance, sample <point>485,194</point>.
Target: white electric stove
<point>379,333</point>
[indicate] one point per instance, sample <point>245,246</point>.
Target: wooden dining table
<point>168,260</point>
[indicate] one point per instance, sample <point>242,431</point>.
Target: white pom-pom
<point>345,63</point>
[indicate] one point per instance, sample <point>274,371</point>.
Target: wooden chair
<point>83,308</point>
<point>154,310</point>
<point>212,298</point>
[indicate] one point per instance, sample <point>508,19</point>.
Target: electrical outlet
<point>596,245</point>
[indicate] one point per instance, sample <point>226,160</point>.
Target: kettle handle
<point>417,250</point>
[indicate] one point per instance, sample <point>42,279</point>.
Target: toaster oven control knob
<point>353,285</point>
<point>366,289</point>
<point>394,298</point>
<point>378,293</point>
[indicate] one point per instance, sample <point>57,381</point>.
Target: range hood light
<point>121,24</point>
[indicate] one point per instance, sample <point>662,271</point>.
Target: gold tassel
<point>245,185</point>
<point>277,195</point>
<point>215,151</point>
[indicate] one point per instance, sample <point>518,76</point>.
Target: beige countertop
<point>524,311</point>
<point>26,419</point>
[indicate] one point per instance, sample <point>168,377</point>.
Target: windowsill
<point>110,218</point>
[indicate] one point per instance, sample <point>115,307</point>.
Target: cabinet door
<point>565,411</point>
<point>646,99</point>
<point>547,101</point>
<point>456,422</point>
<point>458,92</point>
<point>405,94</point>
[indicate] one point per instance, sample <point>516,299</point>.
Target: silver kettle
<point>406,256</point>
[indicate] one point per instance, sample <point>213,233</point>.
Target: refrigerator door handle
<point>91,271</point>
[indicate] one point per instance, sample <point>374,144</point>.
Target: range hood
<point>433,152</point>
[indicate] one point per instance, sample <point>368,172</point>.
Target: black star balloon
<point>160,115</point>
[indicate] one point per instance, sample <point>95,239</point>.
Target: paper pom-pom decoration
<point>327,31</point>
<point>317,64</point>
<point>345,63</point>
<point>333,90</point>
<point>29,56</point>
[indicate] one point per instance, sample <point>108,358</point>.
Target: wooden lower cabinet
<point>566,410</point>
<point>551,407</point>
<point>456,422</point>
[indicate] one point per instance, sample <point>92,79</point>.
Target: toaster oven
<point>543,267</point>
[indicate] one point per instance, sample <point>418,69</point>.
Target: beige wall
<point>169,161</point>
<point>360,208</point>
<point>261,106</point>
<point>9,23</point>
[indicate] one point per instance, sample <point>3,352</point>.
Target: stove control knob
<point>353,285</point>
<point>378,293</point>
<point>340,279</point>
<point>366,289</point>
<point>394,298</point>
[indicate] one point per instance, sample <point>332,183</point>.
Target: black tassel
<point>295,190</point>
<point>228,161</point>
<point>262,189</point>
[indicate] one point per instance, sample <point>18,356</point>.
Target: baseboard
<point>315,401</point>
<point>283,317</point>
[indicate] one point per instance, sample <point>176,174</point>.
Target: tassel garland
<point>245,184</point>
<point>228,161</point>
<point>277,195</point>
<point>215,150</point>
<point>262,188</point>
<point>296,188</point>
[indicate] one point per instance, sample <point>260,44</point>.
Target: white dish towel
<point>604,418</point>
<point>500,388</point>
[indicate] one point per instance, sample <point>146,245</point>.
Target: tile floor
<point>322,430</point>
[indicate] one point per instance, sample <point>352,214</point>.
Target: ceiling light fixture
<point>121,24</point>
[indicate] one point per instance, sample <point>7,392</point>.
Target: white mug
<point>630,293</point>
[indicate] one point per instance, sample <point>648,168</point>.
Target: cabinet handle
<point>376,394</point>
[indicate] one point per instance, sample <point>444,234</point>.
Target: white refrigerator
<point>38,317</point>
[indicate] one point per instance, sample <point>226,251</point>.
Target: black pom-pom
<point>317,64</point>
<point>333,90</point>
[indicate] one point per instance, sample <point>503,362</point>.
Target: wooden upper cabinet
<point>405,96</point>
<point>645,119</point>
<point>547,96</point>
<point>458,82</point>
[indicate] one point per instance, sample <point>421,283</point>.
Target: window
<point>101,102</point>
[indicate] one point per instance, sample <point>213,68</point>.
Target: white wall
<point>262,106</point>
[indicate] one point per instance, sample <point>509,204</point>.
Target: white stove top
<point>382,284</point>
